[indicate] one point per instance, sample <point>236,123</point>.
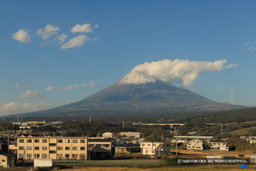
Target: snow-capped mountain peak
<point>137,77</point>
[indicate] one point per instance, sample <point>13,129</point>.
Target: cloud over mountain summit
<point>184,71</point>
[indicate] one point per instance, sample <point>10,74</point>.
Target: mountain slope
<point>138,92</point>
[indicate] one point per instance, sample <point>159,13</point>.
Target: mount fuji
<point>138,92</point>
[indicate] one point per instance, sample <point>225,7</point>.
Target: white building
<point>219,145</point>
<point>154,148</point>
<point>195,145</point>
<point>108,135</point>
<point>135,135</point>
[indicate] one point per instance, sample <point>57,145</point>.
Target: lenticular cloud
<point>184,71</point>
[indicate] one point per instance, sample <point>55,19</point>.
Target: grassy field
<point>170,168</point>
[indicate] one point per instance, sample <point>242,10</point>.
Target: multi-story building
<point>195,144</point>
<point>30,147</point>
<point>154,148</point>
<point>219,145</point>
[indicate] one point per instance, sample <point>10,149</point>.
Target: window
<point>36,148</point>
<point>3,160</point>
<point>29,156</point>
<point>75,141</point>
<point>29,140</point>
<point>29,148</point>
<point>59,141</point>
<point>52,151</point>
<point>21,155</point>
<point>82,141</point>
<point>105,145</point>
<point>74,155</point>
<point>67,141</point>
<point>21,148</point>
<point>59,156</point>
<point>82,148</point>
<point>75,148</point>
<point>44,148</point>
<point>60,148</point>
<point>66,155</point>
<point>82,156</point>
<point>37,156</point>
<point>52,144</point>
<point>44,140</point>
<point>44,156</point>
<point>36,140</point>
<point>21,140</point>
<point>67,148</point>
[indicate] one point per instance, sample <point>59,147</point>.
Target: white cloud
<point>17,108</point>
<point>86,28</point>
<point>251,47</point>
<point>61,38</point>
<point>31,94</point>
<point>22,36</point>
<point>48,31</point>
<point>85,84</point>
<point>16,85</point>
<point>75,42</point>
<point>231,66</point>
<point>184,71</point>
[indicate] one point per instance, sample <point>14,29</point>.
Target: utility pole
<point>176,143</point>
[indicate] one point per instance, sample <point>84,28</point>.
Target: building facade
<point>195,145</point>
<point>30,148</point>
<point>155,148</point>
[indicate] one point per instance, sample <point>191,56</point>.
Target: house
<point>154,148</point>
<point>195,144</point>
<point>219,145</point>
<point>6,160</point>
<point>99,148</point>
<point>108,134</point>
<point>126,148</point>
<point>132,135</point>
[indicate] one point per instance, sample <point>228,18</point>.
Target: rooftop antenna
<point>90,120</point>
<point>123,123</point>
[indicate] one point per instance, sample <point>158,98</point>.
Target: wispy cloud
<point>17,108</point>
<point>75,42</point>
<point>31,94</point>
<point>86,28</point>
<point>48,31</point>
<point>85,84</point>
<point>61,38</point>
<point>22,36</point>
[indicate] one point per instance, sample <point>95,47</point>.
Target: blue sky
<point>56,52</point>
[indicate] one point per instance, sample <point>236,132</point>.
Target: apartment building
<point>31,147</point>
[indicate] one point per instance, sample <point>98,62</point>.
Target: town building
<point>100,148</point>
<point>195,144</point>
<point>6,160</point>
<point>30,147</point>
<point>133,135</point>
<point>154,148</point>
<point>219,145</point>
